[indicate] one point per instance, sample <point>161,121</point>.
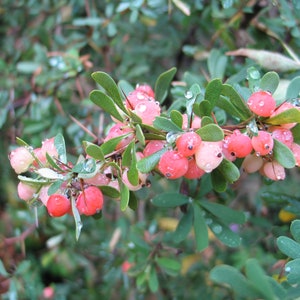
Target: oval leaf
<point>289,247</point>
<point>162,84</point>
<point>269,82</point>
<point>200,229</point>
<point>170,200</point>
<point>211,133</point>
<point>283,155</point>
<point>147,164</point>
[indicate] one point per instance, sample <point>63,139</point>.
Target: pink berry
<point>173,165</point>
<point>252,163</point>
<point>21,159</point>
<point>188,143</point>
<point>153,146</point>
<point>147,111</point>
<point>283,135</point>
<point>193,172</point>
<point>196,122</point>
<point>142,181</point>
<point>262,103</point>
<point>145,88</point>
<point>134,97</point>
<point>263,143</point>
<point>118,130</point>
<point>43,195</point>
<point>58,205</point>
<point>209,155</point>
<point>90,201</point>
<point>238,144</point>
<point>274,170</point>
<point>97,180</point>
<point>25,191</point>
<point>296,151</point>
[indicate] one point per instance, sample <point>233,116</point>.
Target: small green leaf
<point>269,82</point>
<point>289,247</point>
<point>128,155</point>
<point>184,226</point>
<point>219,182</point>
<point>230,276</point>
<point>153,281</point>
<point>133,201</point>
<point>257,276</point>
<point>229,170</point>
<point>239,104</point>
<point>283,155</point>
<point>110,146</point>
<point>206,120</point>
<point>211,133</point>
<point>288,116</point>
<point>106,103</point>
<point>109,191</point>
<point>140,135</point>
<point>94,151</point>
<point>292,269</point>
<point>59,143</point>
<point>20,142</point>
<point>104,80</point>
<point>33,181</point>
<point>162,84</point>
<point>124,196</point>
<point>213,91</point>
<point>295,230</point>
<point>166,124</point>
<point>147,164</point>
<point>168,263</point>
<point>169,200</point>
<point>176,118</point>
<point>200,228</point>
<point>296,133</point>
<point>205,108</point>
<point>77,219</point>
<point>293,89</point>
<point>224,213</point>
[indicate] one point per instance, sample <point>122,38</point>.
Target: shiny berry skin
<point>145,88</point>
<point>25,191</point>
<point>193,172</point>
<point>153,146</point>
<point>173,165</point>
<point>20,160</point>
<point>263,143</point>
<point>134,97</point>
<point>147,111</point>
<point>188,143</point>
<point>252,163</point>
<point>58,205</point>
<point>118,130</point>
<point>238,144</point>
<point>296,151</point>
<point>90,201</point>
<point>262,103</point>
<point>209,155</point>
<point>283,135</point>
<point>273,170</point>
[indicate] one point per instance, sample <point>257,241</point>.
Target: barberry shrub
<point>190,145</point>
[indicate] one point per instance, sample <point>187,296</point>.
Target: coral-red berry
<point>262,103</point>
<point>188,143</point>
<point>263,143</point>
<point>58,205</point>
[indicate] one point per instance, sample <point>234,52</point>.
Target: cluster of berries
<point>89,199</point>
<point>187,156</point>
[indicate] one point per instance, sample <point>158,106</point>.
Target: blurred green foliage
<point>48,51</point>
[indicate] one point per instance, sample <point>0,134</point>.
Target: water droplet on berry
<point>266,146</point>
<point>257,154</point>
<point>208,168</point>
<point>189,95</point>
<point>261,103</point>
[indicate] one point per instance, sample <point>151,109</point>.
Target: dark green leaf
<point>21,143</point>
<point>94,151</point>
<point>104,80</point>
<point>205,108</point>
<point>162,84</point>
<point>219,182</point>
<point>200,228</point>
<point>128,155</point>
<point>140,135</point>
<point>296,133</point>
<point>213,91</point>
<point>211,133</point>
<point>109,191</point>
<point>166,124</point>
<point>229,170</point>
<point>283,155</point>
<point>168,263</point>
<point>153,281</point>
<point>106,103</point>
<point>110,146</point>
<point>133,201</point>
<point>269,82</point>
<point>184,226</point>
<point>224,213</point>
<point>289,247</point>
<point>169,199</point>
